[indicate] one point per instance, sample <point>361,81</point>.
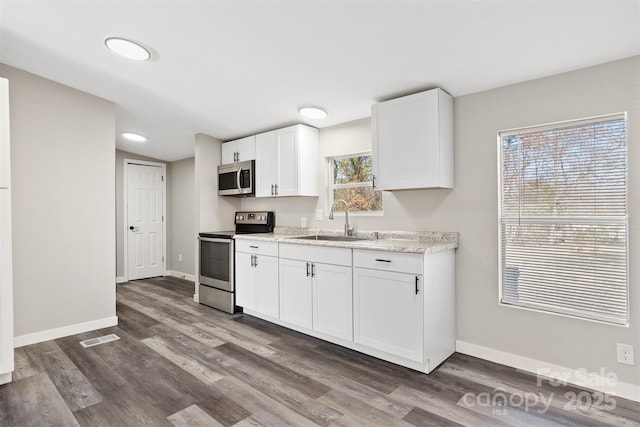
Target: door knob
<point>132,228</point>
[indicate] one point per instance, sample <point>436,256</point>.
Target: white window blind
<point>563,218</point>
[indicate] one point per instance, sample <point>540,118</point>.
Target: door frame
<point>125,213</point>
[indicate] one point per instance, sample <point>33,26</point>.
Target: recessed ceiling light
<point>312,112</point>
<point>134,137</point>
<point>127,48</point>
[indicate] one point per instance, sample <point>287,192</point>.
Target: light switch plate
<point>319,214</point>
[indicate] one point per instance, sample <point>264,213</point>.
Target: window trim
<point>618,220</point>
<point>332,186</point>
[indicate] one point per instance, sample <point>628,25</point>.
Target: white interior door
<point>145,221</point>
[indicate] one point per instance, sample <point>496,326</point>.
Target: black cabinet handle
<point>313,270</point>
<point>417,285</point>
<point>307,269</point>
<point>253,247</point>
<point>383,260</point>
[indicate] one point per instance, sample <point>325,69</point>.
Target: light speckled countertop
<point>422,242</point>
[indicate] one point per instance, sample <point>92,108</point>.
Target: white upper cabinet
<point>287,162</point>
<point>413,141</point>
<point>265,164</point>
<point>239,150</point>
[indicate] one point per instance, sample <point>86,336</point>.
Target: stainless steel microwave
<point>237,179</point>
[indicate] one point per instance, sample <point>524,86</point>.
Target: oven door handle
<point>209,239</point>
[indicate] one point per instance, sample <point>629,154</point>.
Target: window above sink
<point>351,179</point>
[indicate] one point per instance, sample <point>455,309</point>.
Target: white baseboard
<point>181,275</point>
<point>64,331</point>
<point>5,378</point>
<point>577,377</point>
<point>121,279</point>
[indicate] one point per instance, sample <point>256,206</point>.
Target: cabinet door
<point>333,300</point>
<point>229,152</point>
<point>287,159</point>
<point>267,297</point>
<point>388,312</point>
<point>245,281</point>
<point>413,141</point>
<point>265,164</point>
<point>5,156</point>
<point>295,293</point>
<point>246,148</point>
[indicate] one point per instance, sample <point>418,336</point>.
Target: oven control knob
<point>237,217</point>
<point>241,217</point>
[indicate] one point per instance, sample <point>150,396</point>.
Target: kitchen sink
<point>330,238</point>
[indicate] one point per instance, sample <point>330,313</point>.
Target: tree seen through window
<point>352,181</point>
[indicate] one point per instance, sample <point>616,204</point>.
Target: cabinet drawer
<point>388,261</point>
<point>258,247</point>
<point>327,255</point>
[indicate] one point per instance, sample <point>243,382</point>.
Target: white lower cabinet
<point>295,293</point>
<point>317,295</point>
<point>245,281</point>
<point>257,282</point>
<point>396,306</point>
<point>333,300</point>
<point>267,289</point>
<point>388,312</point>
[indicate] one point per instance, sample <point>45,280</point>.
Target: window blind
<point>563,218</point>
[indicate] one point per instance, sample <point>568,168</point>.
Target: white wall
<point>181,216</point>
<point>63,173</point>
<point>213,213</point>
<point>471,208</point>
<point>120,217</point>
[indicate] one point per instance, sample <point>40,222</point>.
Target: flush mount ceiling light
<point>134,137</point>
<point>127,48</point>
<point>312,113</point>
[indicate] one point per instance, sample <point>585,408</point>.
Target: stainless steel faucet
<point>348,229</point>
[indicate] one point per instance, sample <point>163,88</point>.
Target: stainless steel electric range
<point>216,275</point>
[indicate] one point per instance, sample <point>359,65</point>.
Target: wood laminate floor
<point>178,363</point>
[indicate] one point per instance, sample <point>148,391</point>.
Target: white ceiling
<point>234,68</point>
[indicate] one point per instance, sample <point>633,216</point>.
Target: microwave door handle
<point>238,179</point>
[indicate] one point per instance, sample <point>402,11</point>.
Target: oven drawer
<point>216,298</point>
<point>257,247</point>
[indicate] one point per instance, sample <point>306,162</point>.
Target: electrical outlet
<point>319,214</point>
<point>180,257</point>
<point>303,221</point>
<point>625,354</point>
